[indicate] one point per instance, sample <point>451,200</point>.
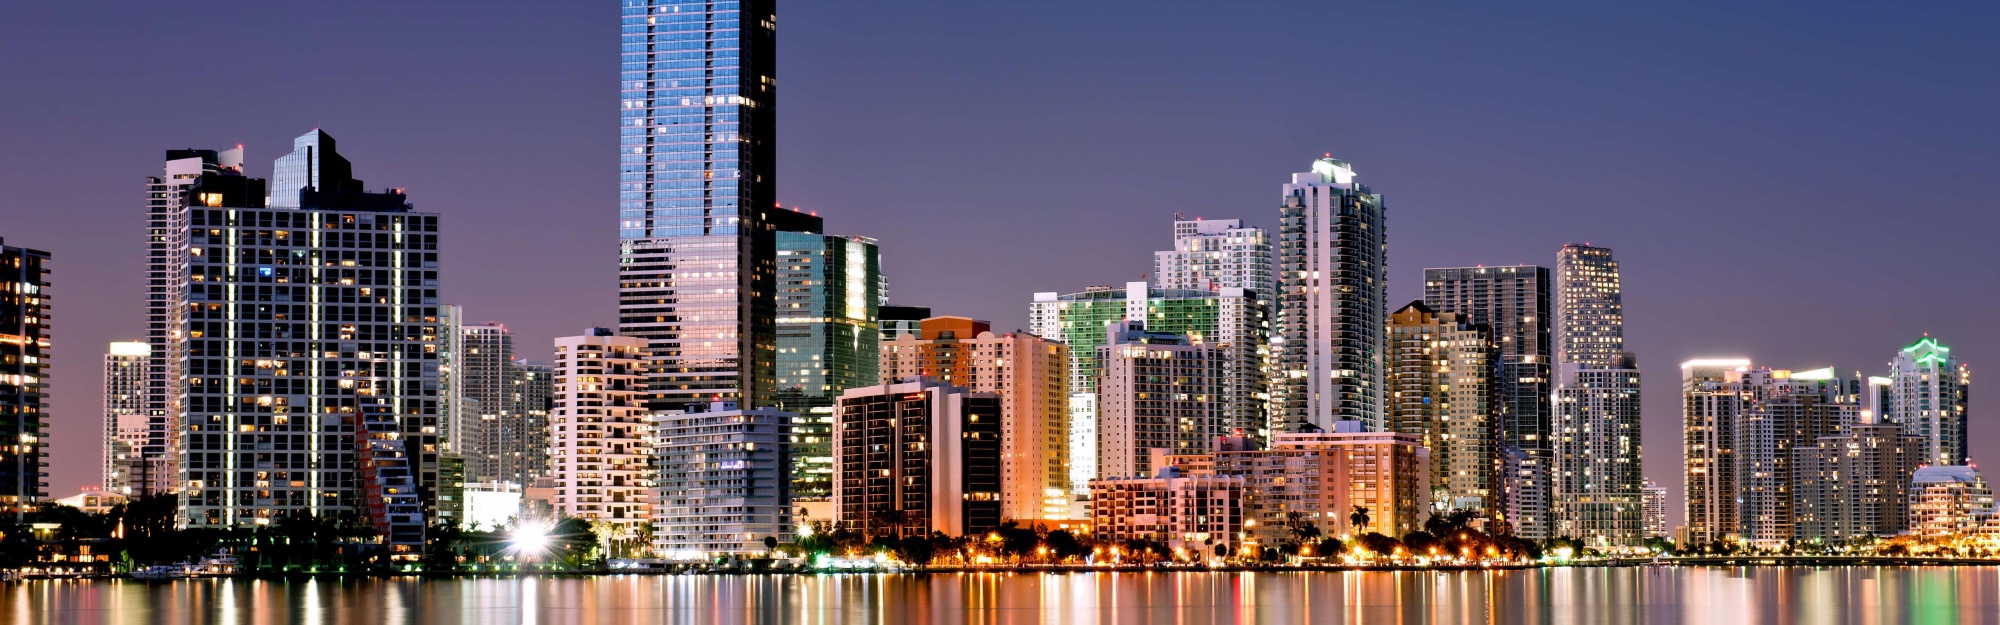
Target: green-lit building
<point>1231,318</point>
<point>829,340</point>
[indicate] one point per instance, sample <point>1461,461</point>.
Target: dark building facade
<point>917,457</point>
<point>24,385</point>
<point>1516,305</point>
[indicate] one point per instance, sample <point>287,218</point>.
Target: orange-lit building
<point>1030,374</point>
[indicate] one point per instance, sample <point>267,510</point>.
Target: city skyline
<point>1674,313</point>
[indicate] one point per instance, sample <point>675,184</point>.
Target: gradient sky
<point>1805,184</point>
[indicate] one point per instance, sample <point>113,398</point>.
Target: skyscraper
<point>24,380</point>
<point>1158,393</point>
<point>1029,375</point>
<point>1713,400</point>
<point>1743,428</point>
<point>1333,273</point>
<point>1590,308</point>
<point>1927,396</point>
<point>127,469</point>
<point>1596,434</point>
<point>696,203</point>
<point>167,263</point>
<point>829,340</point>
<point>306,322</point>
<point>600,451</point>
<point>1441,373</point>
<point>485,359</point>
<point>531,395</point>
<point>1515,304</point>
<point>1223,255</point>
<point>1787,411</point>
<point>451,385</point>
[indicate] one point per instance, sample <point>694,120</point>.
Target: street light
<point>530,539</point>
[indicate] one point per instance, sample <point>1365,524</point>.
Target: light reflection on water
<point>1705,596</point>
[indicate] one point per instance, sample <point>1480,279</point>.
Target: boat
<point>161,571</point>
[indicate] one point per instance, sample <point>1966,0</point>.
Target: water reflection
<point>1706,596</point>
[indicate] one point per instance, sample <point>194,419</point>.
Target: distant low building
<point>93,500</point>
<point>1656,510</point>
<point>493,505</point>
<point>1193,513</point>
<point>1326,477</point>
<point>1948,501</point>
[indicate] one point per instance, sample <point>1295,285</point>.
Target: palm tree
<point>1302,528</point>
<point>891,521</point>
<point>1359,518</point>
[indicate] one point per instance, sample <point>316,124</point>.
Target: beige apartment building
<point>1030,374</point>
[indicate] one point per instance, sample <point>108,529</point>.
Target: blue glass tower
<point>696,208</point>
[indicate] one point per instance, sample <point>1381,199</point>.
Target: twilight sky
<point>1805,184</point>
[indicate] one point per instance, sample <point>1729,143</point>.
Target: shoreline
<point>1702,561</point>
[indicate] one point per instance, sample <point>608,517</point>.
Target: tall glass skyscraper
<point>696,200</point>
<point>829,340</point>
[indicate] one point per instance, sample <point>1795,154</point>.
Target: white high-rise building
<point>1158,394</point>
<point>1927,395</point>
<point>167,265</point>
<point>1656,510</point>
<point>128,470</point>
<point>1598,488</point>
<point>725,481</point>
<point>1333,308</point>
<point>451,385</point>
<point>601,437</point>
<point>1948,502</point>
<point>1213,254</point>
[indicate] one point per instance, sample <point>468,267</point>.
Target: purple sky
<point>1800,183</point>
